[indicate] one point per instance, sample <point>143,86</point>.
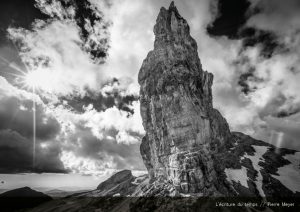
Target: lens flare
<point>30,80</point>
<point>34,129</point>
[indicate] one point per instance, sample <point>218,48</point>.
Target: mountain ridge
<point>22,198</point>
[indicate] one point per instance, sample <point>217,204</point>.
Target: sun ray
<point>23,80</point>
<point>34,130</point>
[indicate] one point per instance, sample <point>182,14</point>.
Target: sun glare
<point>31,79</point>
<point>39,79</point>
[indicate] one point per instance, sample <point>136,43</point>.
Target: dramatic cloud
<point>85,153</point>
<point>89,142</point>
<point>53,53</point>
<point>119,93</point>
<point>95,141</point>
<point>63,52</point>
<point>84,57</point>
<point>100,128</point>
<point>273,81</point>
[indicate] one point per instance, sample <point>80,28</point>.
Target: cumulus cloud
<point>93,141</point>
<point>113,118</point>
<point>100,122</point>
<point>86,153</point>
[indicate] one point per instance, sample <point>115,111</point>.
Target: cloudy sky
<point>72,66</point>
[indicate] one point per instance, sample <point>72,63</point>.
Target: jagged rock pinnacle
<point>171,28</point>
<point>188,146</point>
<point>183,131</point>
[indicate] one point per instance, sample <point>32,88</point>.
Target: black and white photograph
<point>149,105</point>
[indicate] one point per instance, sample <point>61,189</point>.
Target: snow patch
<point>289,175</point>
<point>237,175</point>
<point>255,159</point>
<point>184,195</point>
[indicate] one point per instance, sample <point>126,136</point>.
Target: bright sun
<point>39,79</point>
<point>32,79</point>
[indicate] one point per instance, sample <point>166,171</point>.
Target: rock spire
<point>183,130</point>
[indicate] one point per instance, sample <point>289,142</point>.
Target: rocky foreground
<point>188,149</point>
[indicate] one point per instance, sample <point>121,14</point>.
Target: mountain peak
<point>171,28</point>
<point>173,8</point>
<point>122,176</point>
<point>177,111</point>
<point>173,46</point>
<point>172,4</point>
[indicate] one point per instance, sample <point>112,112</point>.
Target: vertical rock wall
<point>183,130</point>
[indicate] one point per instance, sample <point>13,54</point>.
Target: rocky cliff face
<point>184,131</point>
<point>120,177</point>
<point>122,183</point>
<point>188,146</point>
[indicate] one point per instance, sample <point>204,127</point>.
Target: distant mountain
<point>58,193</point>
<point>22,198</point>
<point>3,190</point>
<point>24,192</point>
<point>60,188</point>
